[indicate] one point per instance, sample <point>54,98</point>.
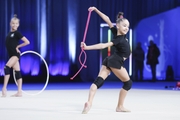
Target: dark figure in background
<point>152,58</point>
<point>169,73</point>
<point>138,56</point>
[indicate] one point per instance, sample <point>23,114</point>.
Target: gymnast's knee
<point>18,75</point>
<point>7,70</point>
<point>99,82</point>
<point>127,85</point>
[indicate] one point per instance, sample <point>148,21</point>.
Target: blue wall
<point>164,30</point>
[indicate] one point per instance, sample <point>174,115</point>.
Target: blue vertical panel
<point>164,31</point>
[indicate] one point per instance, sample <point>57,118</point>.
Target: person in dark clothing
<point>113,63</point>
<point>169,73</point>
<point>152,58</point>
<point>138,56</point>
<point>12,46</point>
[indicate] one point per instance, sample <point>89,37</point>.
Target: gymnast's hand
<point>92,8</point>
<point>83,46</point>
<point>18,51</point>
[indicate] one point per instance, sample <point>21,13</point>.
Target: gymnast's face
<point>14,24</point>
<point>123,27</point>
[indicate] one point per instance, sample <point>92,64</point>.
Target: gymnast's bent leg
<point>104,72</point>
<point>7,68</point>
<point>124,77</point>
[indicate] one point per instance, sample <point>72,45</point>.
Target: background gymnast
<point>113,63</point>
<point>12,46</point>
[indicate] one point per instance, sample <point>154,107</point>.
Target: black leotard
<point>122,50</point>
<point>12,41</point>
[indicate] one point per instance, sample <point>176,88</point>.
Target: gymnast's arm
<point>96,46</point>
<point>25,42</point>
<point>102,15</point>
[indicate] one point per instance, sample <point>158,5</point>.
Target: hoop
<point>46,70</point>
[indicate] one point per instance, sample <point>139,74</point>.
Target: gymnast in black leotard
<point>113,63</point>
<point>12,46</point>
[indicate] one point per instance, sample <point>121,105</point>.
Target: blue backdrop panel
<point>164,30</point>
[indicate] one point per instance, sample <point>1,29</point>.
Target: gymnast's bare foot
<point>122,109</point>
<point>17,95</point>
<point>87,107</point>
<point>4,92</point>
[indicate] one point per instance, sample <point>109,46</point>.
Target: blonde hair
<point>15,18</point>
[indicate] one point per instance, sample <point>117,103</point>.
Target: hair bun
<point>120,15</point>
<point>15,15</point>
